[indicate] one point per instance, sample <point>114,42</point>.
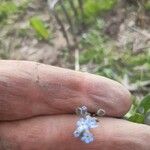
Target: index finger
<point>30,89</point>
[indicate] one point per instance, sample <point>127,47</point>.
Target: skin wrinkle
<point>3,98</point>
<point>47,99</point>
<point>85,94</point>
<point>8,94</point>
<point>59,87</point>
<point>111,105</point>
<point>59,91</point>
<point>44,88</point>
<point>65,99</point>
<point>103,99</point>
<point>100,95</point>
<point>13,82</point>
<point>36,80</point>
<point>51,89</point>
<point>85,90</point>
<point>47,89</point>
<point>96,95</point>
<point>12,94</point>
<point>23,86</point>
<point>38,89</point>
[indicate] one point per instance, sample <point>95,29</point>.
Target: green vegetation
<point>41,31</point>
<point>139,112</point>
<point>96,7</point>
<point>6,9</point>
<point>147,5</point>
<point>9,8</point>
<point>111,64</point>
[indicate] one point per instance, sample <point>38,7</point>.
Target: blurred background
<point>104,37</point>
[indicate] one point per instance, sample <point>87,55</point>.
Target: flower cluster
<point>83,127</point>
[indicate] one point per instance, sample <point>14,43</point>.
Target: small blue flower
<point>84,125</point>
<point>87,137</point>
<point>81,122</point>
<point>91,122</point>
<point>76,133</point>
<point>80,130</point>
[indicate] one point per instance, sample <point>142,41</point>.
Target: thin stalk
<point>74,10</point>
<point>62,27</point>
<point>66,15</point>
<point>77,65</point>
<point>82,11</point>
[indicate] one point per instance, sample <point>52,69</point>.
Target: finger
<point>56,132</point>
<point>29,89</point>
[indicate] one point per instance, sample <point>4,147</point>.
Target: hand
<point>37,109</point>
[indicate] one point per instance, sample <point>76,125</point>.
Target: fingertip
<point>127,101</point>
<point>107,94</point>
<point>124,101</point>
